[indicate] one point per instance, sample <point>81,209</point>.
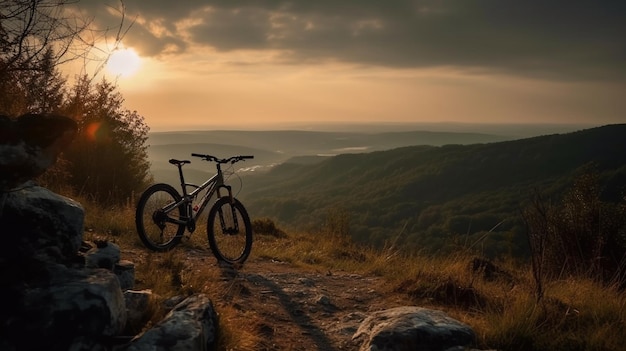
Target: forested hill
<point>430,194</point>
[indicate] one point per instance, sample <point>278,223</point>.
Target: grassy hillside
<point>434,196</point>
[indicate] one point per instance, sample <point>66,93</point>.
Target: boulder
<point>47,291</point>
<point>104,255</point>
<point>412,328</point>
<point>190,326</point>
<point>125,271</point>
<point>36,223</point>
<point>72,304</point>
<point>137,307</point>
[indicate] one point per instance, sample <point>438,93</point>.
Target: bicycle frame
<point>214,185</point>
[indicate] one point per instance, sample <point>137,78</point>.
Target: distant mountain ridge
<point>438,191</point>
<point>275,147</point>
<point>312,141</point>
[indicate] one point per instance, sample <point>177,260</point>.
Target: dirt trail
<point>299,309</point>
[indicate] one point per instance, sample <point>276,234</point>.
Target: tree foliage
<point>109,157</point>
<point>108,160</point>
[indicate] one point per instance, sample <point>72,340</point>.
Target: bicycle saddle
<point>179,162</point>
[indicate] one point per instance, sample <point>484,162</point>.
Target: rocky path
<point>300,309</point>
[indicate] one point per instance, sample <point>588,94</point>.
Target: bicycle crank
<point>191,225</point>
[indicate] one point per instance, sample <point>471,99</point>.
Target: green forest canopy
<point>437,197</point>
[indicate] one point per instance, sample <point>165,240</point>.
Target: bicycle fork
<point>229,224</point>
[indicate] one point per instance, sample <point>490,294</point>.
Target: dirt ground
<point>295,308</point>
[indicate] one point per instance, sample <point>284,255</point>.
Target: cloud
<point>560,39</point>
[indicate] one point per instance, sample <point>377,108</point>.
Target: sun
<point>124,62</point>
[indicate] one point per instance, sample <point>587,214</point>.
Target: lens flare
<point>94,131</point>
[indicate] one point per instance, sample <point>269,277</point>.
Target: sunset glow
<point>203,65</point>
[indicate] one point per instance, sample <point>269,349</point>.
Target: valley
<point>433,191</point>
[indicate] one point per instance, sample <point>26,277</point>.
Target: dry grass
<point>574,314</point>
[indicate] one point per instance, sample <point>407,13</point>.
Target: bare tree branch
<point>29,28</point>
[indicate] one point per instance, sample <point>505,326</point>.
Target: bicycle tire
<point>161,236</point>
<point>228,245</point>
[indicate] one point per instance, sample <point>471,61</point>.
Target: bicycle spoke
<point>157,228</point>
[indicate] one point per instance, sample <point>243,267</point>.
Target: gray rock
<point>323,300</point>
<point>37,223</point>
<point>85,304</point>
<point>97,301</point>
<point>125,272</point>
<point>48,294</point>
<point>412,328</point>
<point>105,255</point>
<point>190,326</point>
<point>137,306</point>
<point>171,302</point>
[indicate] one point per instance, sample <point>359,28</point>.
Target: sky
<point>249,64</point>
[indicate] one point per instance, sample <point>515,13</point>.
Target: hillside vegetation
<point>437,197</point>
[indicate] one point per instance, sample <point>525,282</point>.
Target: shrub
<point>266,226</point>
<point>582,235</point>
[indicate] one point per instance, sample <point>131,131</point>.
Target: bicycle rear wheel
<point>229,231</point>
<point>158,229</point>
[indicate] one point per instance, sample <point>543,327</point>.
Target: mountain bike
<point>163,214</point>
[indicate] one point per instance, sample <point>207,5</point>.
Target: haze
<point>266,64</point>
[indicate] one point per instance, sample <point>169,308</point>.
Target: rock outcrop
<point>59,292</point>
<point>49,290</point>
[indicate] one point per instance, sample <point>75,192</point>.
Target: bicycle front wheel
<point>229,231</point>
<point>158,227</point>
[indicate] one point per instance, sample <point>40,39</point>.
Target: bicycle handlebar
<point>231,159</point>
